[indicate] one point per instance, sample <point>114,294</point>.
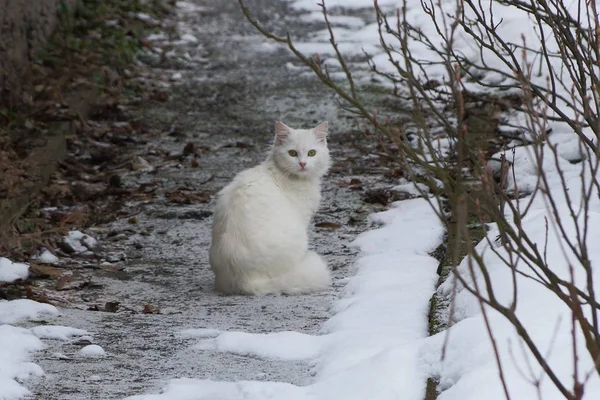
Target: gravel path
<point>227,103</point>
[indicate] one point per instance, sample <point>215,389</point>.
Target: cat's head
<point>301,152</point>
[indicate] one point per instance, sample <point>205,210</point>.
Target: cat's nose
<point>302,164</point>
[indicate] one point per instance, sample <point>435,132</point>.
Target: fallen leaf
<point>181,197</point>
<point>44,271</point>
<point>328,225</point>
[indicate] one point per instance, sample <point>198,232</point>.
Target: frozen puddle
<point>370,348</point>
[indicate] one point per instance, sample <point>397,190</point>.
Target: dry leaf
<point>328,225</point>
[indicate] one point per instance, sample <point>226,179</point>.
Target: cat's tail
<point>309,275</point>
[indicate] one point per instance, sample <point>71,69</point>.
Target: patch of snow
<point>80,242</point>
<point>200,333</point>
<point>57,332</point>
<point>335,20</point>
<point>155,37</point>
<point>11,271</point>
<point>279,345</point>
<point>189,38</point>
<point>46,257</point>
<point>413,188</point>
<point>23,309</point>
<point>91,351</point>
<point>60,356</point>
<point>16,346</point>
<point>145,17</point>
<point>187,7</point>
<point>293,67</point>
<point>351,4</point>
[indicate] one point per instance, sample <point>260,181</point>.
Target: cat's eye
<point>293,153</point>
<point>312,153</point>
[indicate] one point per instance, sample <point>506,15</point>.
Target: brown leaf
<point>181,197</point>
<point>44,271</point>
<point>63,281</point>
<point>328,225</point>
<point>72,281</point>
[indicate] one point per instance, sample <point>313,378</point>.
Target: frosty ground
<point>228,101</point>
<point>364,339</point>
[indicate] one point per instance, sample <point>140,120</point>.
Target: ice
<point>11,271</point>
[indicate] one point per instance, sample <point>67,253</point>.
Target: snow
<point>23,309</point>
<point>279,345</point>
<point>413,188</point>
<point>468,367</point>
<point>80,242</point>
<point>91,351</point>
<point>187,7</point>
<point>11,271</point>
<point>350,4</point>
<point>370,347</point>
<point>57,332</point>
<point>189,38</point>
<point>16,345</point>
<point>335,20</point>
<point>46,257</point>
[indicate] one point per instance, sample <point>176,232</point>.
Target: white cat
<point>260,228</point>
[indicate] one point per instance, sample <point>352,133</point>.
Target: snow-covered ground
<point>369,349</point>
<point>468,366</point>
<point>376,344</point>
<point>18,344</point>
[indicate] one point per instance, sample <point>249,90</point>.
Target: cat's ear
<point>321,131</point>
<point>282,131</point>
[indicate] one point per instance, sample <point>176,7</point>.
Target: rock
<point>112,306</point>
<point>115,181</point>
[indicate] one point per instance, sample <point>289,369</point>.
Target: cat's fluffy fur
<point>260,229</point>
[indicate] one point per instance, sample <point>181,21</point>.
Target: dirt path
<point>226,105</point>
